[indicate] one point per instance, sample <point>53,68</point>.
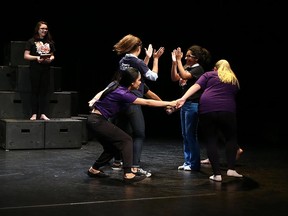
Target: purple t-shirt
<point>217,96</point>
<point>114,102</point>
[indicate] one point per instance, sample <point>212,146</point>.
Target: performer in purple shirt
<point>217,113</point>
<point>105,105</point>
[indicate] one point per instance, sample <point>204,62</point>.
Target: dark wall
<point>244,34</point>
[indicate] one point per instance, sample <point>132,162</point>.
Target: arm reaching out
<point>194,88</point>
<point>154,103</point>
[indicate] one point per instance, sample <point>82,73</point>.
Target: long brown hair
<point>47,37</point>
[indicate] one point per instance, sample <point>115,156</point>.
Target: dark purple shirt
<point>114,102</point>
<point>217,96</point>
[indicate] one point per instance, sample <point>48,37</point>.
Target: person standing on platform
<point>186,75</point>
<point>133,118</point>
<point>106,105</point>
<point>39,50</point>
<point>217,115</point>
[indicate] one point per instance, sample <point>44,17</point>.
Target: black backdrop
<point>244,33</point>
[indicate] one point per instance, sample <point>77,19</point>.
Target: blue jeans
<point>189,123</point>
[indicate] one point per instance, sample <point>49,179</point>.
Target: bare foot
<point>33,117</point>
<point>44,117</point>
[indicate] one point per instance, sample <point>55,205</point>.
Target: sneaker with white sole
<point>140,171</point>
<point>184,167</point>
<point>117,166</point>
<point>187,168</point>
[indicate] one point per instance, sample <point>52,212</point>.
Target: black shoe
<point>101,174</point>
<point>136,178</point>
<point>116,166</point>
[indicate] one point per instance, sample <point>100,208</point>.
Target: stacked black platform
<point>65,129</point>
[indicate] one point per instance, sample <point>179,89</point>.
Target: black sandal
<point>136,178</point>
<point>101,174</point>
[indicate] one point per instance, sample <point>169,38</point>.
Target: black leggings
<point>213,124</point>
<point>112,139</point>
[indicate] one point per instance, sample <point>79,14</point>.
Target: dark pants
<point>213,124</point>
<point>112,139</point>
<point>40,88</point>
<point>131,120</point>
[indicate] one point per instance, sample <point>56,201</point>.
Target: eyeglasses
<point>44,29</point>
<point>190,56</point>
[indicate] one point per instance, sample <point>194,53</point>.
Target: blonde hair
<point>225,73</point>
<point>127,44</point>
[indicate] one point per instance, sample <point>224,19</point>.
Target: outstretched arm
<point>154,103</point>
<point>194,88</point>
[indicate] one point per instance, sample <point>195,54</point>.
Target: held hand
<point>173,103</point>
<point>149,51</point>
<point>40,60</point>
<point>180,103</point>
<point>47,61</point>
<point>169,110</point>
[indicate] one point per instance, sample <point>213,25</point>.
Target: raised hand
<point>149,51</point>
<point>173,55</point>
<point>158,53</point>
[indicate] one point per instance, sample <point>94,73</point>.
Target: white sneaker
<point>217,178</point>
<point>233,173</point>
<point>140,171</point>
<point>184,167</point>
<point>187,168</point>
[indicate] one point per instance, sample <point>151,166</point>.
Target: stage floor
<point>54,182</point>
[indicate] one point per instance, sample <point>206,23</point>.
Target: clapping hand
<point>158,53</point>
<point>173,55</point>
<point>149,51</point>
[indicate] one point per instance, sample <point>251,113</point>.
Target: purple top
<point>217,96</point>
<point>114,102</point>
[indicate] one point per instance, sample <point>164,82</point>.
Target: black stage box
<point>60,105</point>
<point>85,133</point>
<point>14,53</point>
<point>15,105</point>
<point>55,78</point>
<point>21,134</point>
<point>7,78</point>
<point>63,133</point>
<point>23,83</point>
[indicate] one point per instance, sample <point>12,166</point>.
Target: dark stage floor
<point>54,182</point>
